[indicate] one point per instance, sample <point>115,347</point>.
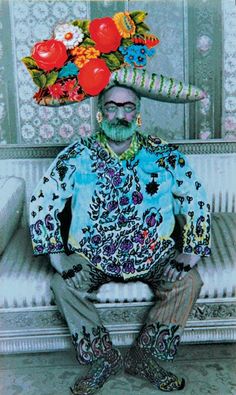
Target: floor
<point>208,370</point>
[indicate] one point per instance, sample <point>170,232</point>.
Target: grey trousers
<point>75,293</point>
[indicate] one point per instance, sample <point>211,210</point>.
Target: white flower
<point>84,111</point>
<point>45,113</point>
<point>230,123</point>
<point>61,8</point>
<point>46,131</point>
<point>204,43</point>
<point>28,131</point>
<point>40,11</point>
<point>70,35</point>
<point>80,9</point>
<point>85,130</point>
<point>66,131</point>
<point>65,112</point>
<point>230,104</point>
<point>26,112</point>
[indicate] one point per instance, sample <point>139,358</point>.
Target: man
<point>123,189</point>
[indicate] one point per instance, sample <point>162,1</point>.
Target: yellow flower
<point>124,24</point>
<point>92,53</point>
<point>80,61</point>
<point>78,51</point>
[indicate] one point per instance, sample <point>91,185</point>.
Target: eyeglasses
<point>112,107</point>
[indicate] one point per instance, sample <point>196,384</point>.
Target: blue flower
<point>150,52</point>
<point>123,50</point>
<point>69,70</point>
<point>136,54</point>
<point>141,61</point>
<point>130,58</point>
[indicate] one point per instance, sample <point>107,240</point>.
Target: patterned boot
<point>140,362</point>
<point>99,373</point>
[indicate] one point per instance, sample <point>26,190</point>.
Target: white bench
<point>29,319</point>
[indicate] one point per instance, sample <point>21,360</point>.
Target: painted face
<point>119,107</point>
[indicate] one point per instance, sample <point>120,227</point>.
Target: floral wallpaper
<point>229,66</point>
<point>33,21</point>
<point>2,85</point>
<point>22,121</point>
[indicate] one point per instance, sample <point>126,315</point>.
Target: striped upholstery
<point>25,279</point>
<point>11,204</point>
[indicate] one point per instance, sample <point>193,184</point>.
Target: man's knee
<point>194,280</point>
<point>57,284</point>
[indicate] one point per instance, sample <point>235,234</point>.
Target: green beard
<point>119,131</point>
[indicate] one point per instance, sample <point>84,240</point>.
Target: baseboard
<point>42,329</point>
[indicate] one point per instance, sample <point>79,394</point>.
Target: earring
<point>99,117</point>
<point>139,120</point>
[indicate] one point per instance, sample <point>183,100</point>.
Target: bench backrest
<point>216,171</point>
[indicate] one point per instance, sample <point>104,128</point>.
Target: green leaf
<point>40,79</point>
<point>112,60</point>
<point>138,16</point>
<point>83,24</point>
<point>88,42</point>
<point>126,42</point>
<point>51,78</point>
<point>119,56</point>
<point>142,28</point>
<point>29,62</point>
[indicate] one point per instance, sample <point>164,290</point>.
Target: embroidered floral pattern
<point>71,272</point>
<point>125,206</point>
<point>142,363</point>
<point>91,346</point>
<point>162,340</point>
<point>45,232</point>
<point>99,372</point>
<point>114,211</point>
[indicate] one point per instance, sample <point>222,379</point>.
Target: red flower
<point>49,54</point>
<point>105,34</point>
<point>69,85</point>
<point>56,90</point>
<point>75,96</point>
<point>94,76</point>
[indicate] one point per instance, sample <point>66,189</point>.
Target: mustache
<point>121,122</point>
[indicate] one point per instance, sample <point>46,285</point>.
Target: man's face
<point>119,107</point>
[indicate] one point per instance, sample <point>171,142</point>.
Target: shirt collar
<point>133,149</point>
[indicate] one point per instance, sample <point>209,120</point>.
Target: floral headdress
<point>84,57</point>
<point>78,61</point>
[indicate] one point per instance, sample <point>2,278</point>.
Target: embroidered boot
<point>99,373</point>
<point>140,362</point>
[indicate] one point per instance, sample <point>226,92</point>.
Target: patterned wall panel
<point>190,49</point>
<point>2,96</point>
<point>205,66</point>
<point>7,85</point>
<point>34,21</point>
<point>229,66</point>
<point>166,20</point>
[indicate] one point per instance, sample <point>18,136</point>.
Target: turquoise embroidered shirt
<point>123,207</point>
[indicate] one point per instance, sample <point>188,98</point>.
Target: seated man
<point>123,188</point>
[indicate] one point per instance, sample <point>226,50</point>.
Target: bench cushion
<point>25,279</point>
